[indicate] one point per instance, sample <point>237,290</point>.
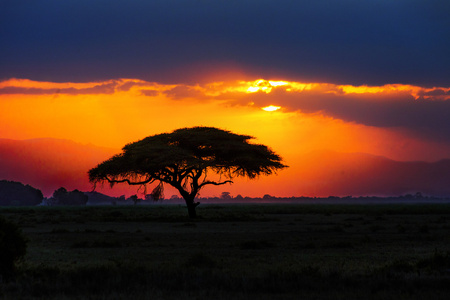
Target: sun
<point>271,108</point>
<point>262,85</point>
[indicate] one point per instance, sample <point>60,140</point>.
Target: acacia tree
<point>184,158</point>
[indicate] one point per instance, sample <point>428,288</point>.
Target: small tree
<point>183,159</point>
<point>135,199</point>
<point>226,196</point>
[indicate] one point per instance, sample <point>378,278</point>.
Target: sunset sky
<point>303,77</point>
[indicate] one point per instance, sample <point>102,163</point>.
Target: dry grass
<point>239,251</point>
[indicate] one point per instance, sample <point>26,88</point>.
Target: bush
<point>17,194</point>
<point>13,247</point>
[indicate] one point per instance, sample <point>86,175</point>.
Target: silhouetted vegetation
<point>12,248</point>
<point>183,158</point>
<point>233,252</point>
<point>62,197</point>
<point>17,194</point>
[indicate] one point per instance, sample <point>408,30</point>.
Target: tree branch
<point>214,183</point>
<point>150,180</point>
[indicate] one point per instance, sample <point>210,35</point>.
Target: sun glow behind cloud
<point>115,112</point>
<point>124,107</point>
<point>262,85</point>
<point>271,108</point>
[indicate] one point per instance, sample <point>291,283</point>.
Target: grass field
<point>239,251</point>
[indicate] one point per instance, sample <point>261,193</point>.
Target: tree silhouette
<point>62,197</point>
<point>16,193</point>
<point>184,158</point>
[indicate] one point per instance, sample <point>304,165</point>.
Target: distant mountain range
<point>340,174</point>
<point>49,164</point>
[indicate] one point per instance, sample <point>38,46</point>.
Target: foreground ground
<point>240,251</point>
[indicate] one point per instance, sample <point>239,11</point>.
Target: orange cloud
<point>395,121</point>
<point>216,89</point>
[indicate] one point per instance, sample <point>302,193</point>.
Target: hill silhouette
<point>355,174</point>
<point>49,164</point>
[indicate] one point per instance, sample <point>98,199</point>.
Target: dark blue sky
<point>349,42</point>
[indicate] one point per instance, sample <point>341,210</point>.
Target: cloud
<point>419,110</point>
<point>366,42</point>
<point>150,93</point>
<point>184,91</point>
<point>102,88</point>
<point>29,87</point>
<point>129,84</point>
<point>435,94</point>
<point>422,111</point>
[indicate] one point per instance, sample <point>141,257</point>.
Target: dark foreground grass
<point>238,251</point>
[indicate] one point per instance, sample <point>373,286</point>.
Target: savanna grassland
<point>288,251</point>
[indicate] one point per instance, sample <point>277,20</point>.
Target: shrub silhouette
<point>13,247</point>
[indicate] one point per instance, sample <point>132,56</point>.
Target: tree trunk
<point>191,210</point>
<point>191,205</point>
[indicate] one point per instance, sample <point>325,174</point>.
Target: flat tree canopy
<point>183,159</point>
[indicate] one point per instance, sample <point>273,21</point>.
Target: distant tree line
<point>14,193</point>
<point>17,194</point>
<point>63,197</point>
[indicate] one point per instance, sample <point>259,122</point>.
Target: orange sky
<point>312,116</point>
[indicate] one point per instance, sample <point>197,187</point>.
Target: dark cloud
<point>355,42</point>
<point>427,118</point>
<point>126,85</point>
<point>103,88</point>
<point>435,93</point>
<point>150,93</point>
<point>183,92</point>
